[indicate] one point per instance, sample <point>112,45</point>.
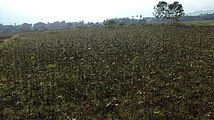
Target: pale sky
<point>32,11</point>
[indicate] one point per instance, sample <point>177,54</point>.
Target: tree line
<point>25,27</point>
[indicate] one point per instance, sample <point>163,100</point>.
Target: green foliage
<point>129,72</point>
<point>110,22</point>
<point>168,11</point>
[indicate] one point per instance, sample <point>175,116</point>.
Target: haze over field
<point>32,11</point>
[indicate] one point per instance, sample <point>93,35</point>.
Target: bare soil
<point>3,38</point>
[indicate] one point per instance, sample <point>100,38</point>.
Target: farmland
<point>121,72</point>
<point>198,23</point>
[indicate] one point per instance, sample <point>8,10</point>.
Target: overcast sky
<point>32,11</point>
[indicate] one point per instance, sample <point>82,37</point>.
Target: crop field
<point>200,23</point>
<point>139,72</point>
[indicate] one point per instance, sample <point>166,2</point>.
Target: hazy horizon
<point>33,11</point>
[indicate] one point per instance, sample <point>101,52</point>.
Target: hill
<point>197,13</point>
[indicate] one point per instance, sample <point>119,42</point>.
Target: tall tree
<point>169,11</point>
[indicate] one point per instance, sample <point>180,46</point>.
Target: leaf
<point>156,112</point>
<point>51,65</point>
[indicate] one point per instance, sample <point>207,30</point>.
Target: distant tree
<point>168,11</point>
<point>25,27</point>
<point>160,9</point>
<point>110,22</point>
<point>39,26</point>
